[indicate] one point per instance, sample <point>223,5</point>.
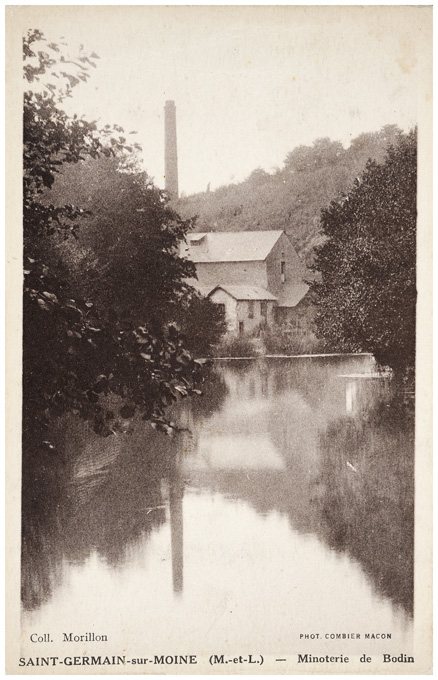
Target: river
<point>282,507</point>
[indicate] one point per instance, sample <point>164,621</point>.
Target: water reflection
<point>367,506</point>
<point>176,494</point>
<point>103,495</point>
<point>348,444</point>
<point>307,441</point>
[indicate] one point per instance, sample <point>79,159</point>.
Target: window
<point>240,327</point>
<point>221,306</point>
<point>250,309</point>
<point>264,310</point>
<point>283,271</point>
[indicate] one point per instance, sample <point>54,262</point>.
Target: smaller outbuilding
<point>246,308</point>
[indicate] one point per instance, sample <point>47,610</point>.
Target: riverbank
<point>284,340</point>
<point>294,356</point>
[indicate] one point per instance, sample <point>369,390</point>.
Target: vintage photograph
<point>219,450</point>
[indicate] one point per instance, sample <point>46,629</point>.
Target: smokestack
<point>170,150</point>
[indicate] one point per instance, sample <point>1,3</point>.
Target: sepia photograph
<point>219,237</point>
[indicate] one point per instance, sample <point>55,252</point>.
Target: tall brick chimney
<point>170,150</point>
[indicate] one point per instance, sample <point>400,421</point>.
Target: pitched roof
<point>245,292</point>
<point>290,296</point>
<point>204,289</point>
<point>231,246</point>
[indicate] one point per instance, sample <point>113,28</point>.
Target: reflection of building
<point>251,273</point>
<point>361,390</point>
<point>315,440</point>
<point>269,435</point>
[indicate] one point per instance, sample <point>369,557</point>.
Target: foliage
<point>323,153</point>
<point>74,350</point>
<point>126,253</point>
<point>240,346</point>
<point>201,322</point>
<point>290,198</point>
<point>288,340</point>
<point>125,257</point>
<point>367,292</point>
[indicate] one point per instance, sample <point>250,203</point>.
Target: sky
<point>249,84</point>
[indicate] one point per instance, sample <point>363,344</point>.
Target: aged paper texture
<point>283,524</point>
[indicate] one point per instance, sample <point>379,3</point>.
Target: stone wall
<point>295,270</point>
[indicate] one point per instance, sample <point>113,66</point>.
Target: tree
<point>76,351</point>
<point>201,322</point>
<point>124,257</point>
<point>366,295</point>
<point>323,153</point>
<point>126,252</point>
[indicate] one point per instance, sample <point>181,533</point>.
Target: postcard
<point>219,236</point>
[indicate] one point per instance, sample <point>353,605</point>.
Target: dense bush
<point>285,339</point>
<point>366,295</point>
<point>240,346</point>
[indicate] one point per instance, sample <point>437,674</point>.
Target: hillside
<point>291,198</point>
